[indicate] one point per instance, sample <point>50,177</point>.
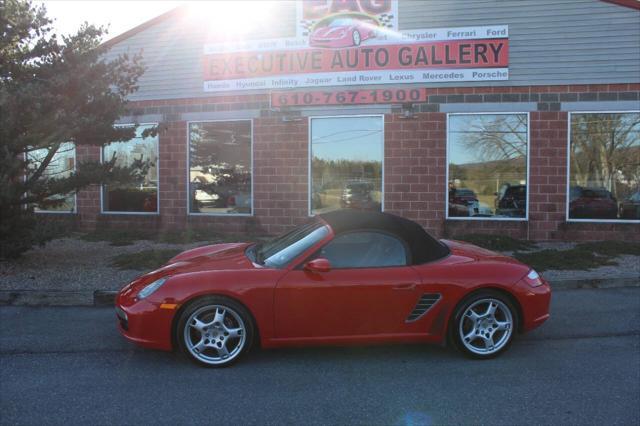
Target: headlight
<point>150,288</point>
<point>533,279</point>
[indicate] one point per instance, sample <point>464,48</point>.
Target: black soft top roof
<point>424,248</point>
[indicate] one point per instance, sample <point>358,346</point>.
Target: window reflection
<point>346,163</point>
<point>139,196</point>
<point>488,165</point>
<point>61,166</point>
<point>604,175</point>
<point>220,167</point>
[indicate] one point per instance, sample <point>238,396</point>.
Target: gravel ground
<point>73,264</point>
<point>628,267</point>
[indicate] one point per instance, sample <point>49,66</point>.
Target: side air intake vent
<point>424,304</point>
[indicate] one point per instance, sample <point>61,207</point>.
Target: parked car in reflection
<point>592,203</point>
<point>239,202</point>
<point>630,207</point>
<point>205,199</point>
<point>511,201</point>
<point>463,202</point>
<point>357,195</point>
<point>131,199</point>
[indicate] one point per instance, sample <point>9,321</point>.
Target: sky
<point>121,15</point>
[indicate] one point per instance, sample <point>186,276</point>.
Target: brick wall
<point>415,166</point>
<point>414,178</point>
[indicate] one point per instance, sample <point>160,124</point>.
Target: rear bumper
<point>535,302</point>
<point>144,323</point>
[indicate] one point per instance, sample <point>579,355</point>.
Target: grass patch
<point>144,260</point>
<point>575,259</point>
<point>497,242</point>
<point>611,248</point>
<point>119,237</point>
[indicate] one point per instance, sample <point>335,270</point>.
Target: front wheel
<point>214,331</point>
<point>356,38</point>
<point>484,324</point>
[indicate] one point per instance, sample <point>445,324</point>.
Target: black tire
<point>235,316</point>
<point>455,331</point>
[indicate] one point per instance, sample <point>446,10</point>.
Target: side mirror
<point>318,265</point>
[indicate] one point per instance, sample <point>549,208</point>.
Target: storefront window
<point>604,166</point>
<point>487,160</point>
<point>220,167</point>
<point>61,166</point>
<point>140,196</point>
<point>346,163</point>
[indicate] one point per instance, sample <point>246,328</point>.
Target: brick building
<point>513,117</point>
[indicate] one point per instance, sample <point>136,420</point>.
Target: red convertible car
<point>346,277</point>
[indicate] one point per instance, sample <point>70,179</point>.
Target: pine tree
<point>54,90</point>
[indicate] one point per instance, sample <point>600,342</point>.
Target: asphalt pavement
<point>70,365</point>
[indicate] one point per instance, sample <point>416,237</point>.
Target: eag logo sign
<point>318,9</point>
<point>353,17</point>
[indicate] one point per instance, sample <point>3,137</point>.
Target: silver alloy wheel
<point>215,334</point>
<point>486,326</point>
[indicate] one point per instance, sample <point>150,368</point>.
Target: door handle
<point>405,287</point>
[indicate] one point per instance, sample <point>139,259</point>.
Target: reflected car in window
<point>344,277</point>
<point>358,195</point>
<point>239,202</point>
<point>592,203</point>
<point>511,201</point>
<point>630,207</point>
<point>463,202</point>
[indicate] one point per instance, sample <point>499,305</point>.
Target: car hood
<point>462,248</point>
<point>226,256</point>
<point>216,257</point>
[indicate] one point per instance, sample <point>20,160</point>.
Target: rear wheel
<point>214,331</point>
<point>484,324</point>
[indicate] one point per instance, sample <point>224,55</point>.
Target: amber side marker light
<point>168,306</point>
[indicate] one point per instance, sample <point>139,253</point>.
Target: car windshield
<point>340,22</point>
<point>464,193</point>
<point>596,193</point>
<point>281,250</point>
<point>515,191</point>
<point>359,187</point>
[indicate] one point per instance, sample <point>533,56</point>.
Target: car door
<point>369,290</point>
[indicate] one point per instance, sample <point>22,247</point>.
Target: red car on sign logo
<point>345,30</point>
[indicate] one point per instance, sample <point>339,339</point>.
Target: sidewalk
<point>74,272</point>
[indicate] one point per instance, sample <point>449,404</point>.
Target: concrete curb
<point>46,298</point>
<point>107,297</point>
<point>596,283</point>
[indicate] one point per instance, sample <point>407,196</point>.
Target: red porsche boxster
<point>345,277</point>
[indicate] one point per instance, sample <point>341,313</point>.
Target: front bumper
<point>535,302</point>
<point>145,323</point>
